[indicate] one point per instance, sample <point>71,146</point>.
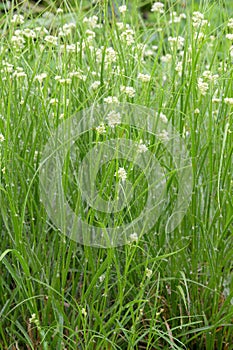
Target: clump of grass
<point>159,291</point>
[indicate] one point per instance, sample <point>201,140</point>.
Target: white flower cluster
<point>7,67</point>
<point>142,148</point>
<point>122,9</point>
<point>128,36</point>
<point>176,43</point>
<point>95,85</point>
<point>101,129</point>
<point>228,100</point>
<point>41,77</point>
<point>17,19</point>
<point>109,54</point>
<point>113,118</point>
<point>66,29</point>
<point>145,78</point>
<point>51,39</point>
<point>230,23</point>
<point>207,74</point>
<point>158,7</point>
<point>91,21</point>
<point>128,90</point>
<point>2,138</point>
<point>111,99</point>
<point>71,47</point>
<point>174,18</point>
<point>202,86</point>
<point>121,174</point>
<point>229,36</point>
<point>198,20</point>
<point>19,73</point>
<point>133,237</point>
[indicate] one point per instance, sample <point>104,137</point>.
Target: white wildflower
<point>228,100</point>
<point>216,100</point>
<point>53,101</point>
<point>2,138</point>
<point>62,80</point>
<point>41,77</point>
<point>8,67</point>
<point>91,21</point>
<point>199,35</point>
<point>110,55</point>
<point>83,311</point>
<point>111,99</point>
<point>20,74</point>
<point>50,39</point>
<point>102,278</point>
<point>41,30</point>
<point>179,67</point>
<point>133,237</point>
<point>174,18</point>
<point>122,9</point>
<point>163,135</point>
<point>121,174</point>
<point>231,51</point>
<point>66,29</point>
<point>148,273</point>
<point>230,23</point>
<point>128,90</point>
<point>101,129</point>
<point>158,7</point>
<point>113,118</point>
<point>17,41</point>
<point>78,74</point>
<point>120,25</point>
<point>208,75</point>
<point>202,86</point>
<point>176,42</point>
<point>59,10</point>
<point>29,33</point>
<point>166,58</point>
<point>95,85</point>
<point>128,36</point>
<point>17,19</point>
<point>70,47</point>
<point>163,118</point>
<point>198,20</point>
<point>34,319</point>
<point>229,36</point>
<point>142,148</point>
<point>90,35</point>
<point>145,78</point>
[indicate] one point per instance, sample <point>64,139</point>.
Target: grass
<point>161,290</point>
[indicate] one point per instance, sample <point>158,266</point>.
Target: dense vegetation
<point>161,290</point>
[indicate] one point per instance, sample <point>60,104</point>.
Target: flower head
<point>202,86</point>
<point>142,148</point>
<point>148,273</point>
<point>121,174</point>
<point>145,78</point>
<point>122,9</point>
<point>128,90</point>
<point>158,7</point>
<point>113,118</point>
<point>133,237</point>
<point>101,129</point>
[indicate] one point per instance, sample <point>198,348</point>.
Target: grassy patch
<point>161,290</point>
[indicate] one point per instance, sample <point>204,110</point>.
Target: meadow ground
<point>159,288</point>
